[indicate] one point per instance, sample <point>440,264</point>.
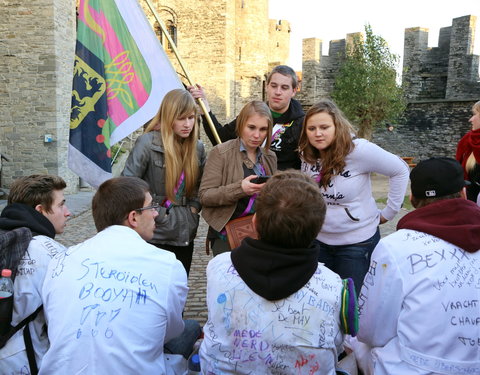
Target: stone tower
<point>227,46</point>
<point>449,71</point>
<point>462,64</point>
<point>279,40</point>
<point>318,70</point>
<point>37,43</point>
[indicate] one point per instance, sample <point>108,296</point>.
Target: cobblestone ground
<point>82,227</point>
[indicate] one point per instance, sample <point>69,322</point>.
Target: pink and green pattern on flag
<point>102,30</point>
<point>121,74</point>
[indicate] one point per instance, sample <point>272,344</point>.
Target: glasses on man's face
<point>153,207</point>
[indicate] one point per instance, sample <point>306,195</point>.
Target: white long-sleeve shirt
<point>110,304</point>
<point>247,334</point>
<point>352,213</point>
<point>420,307</point>
<point>27,298</point>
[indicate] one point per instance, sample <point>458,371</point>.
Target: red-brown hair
<point>332,159</point>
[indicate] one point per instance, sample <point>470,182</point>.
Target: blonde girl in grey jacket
<point>170,158</point>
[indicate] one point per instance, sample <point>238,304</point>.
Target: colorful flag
<point>121,74</point>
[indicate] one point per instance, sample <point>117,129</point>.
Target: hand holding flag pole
<point>182,65</point>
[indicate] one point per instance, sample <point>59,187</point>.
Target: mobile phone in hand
<point>259,179</point>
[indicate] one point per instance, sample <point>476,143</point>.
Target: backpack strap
<point>7,336</point>
<point>27,338</point>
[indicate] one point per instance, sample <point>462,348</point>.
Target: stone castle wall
<point>217,40</point>
<point>219,44</point>
<point>228,47</point>
<point>441,85</point>
<point>279,42</point>
<point>430,128</point>
<point>318,70</point>
<point>449,71</point>
<point>203,29</point>
<point>37,41</point>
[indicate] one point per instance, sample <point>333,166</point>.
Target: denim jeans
<point>183,344</point>
<point>349,260</point>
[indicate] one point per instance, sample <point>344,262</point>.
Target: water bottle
<point>6,300</point>
<point>194,364</point>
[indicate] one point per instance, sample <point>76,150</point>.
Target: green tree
<point>366,88</point>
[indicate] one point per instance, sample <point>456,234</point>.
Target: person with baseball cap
<point>423,284</point>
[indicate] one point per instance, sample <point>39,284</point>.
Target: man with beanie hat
<point>424,282</point>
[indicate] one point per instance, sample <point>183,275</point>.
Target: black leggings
<point>183,253</point>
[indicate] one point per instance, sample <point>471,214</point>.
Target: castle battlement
<point>446,72</point>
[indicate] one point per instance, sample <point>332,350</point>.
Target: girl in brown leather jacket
<point>227,190</point>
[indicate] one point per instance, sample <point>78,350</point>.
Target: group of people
<point>285,302</point>
<point>112,304</point>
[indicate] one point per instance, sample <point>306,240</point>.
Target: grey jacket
<point>147,161</point>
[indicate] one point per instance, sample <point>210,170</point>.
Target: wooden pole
<point>182,65</point>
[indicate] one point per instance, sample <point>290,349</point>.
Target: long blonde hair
<point>332,158</point>
<point>180,154</point>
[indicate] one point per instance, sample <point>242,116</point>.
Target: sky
<point>334,19</point>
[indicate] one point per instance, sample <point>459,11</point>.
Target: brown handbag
<point>239,228</point>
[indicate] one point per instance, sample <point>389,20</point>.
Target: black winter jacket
<point>285,146</point>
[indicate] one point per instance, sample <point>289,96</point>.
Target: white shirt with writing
<point>420,307</point>
<point>27,298</point>
<point>247,334</point>
<point>352,213</point>
<point>111,304</point>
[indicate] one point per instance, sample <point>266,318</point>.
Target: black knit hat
<point>437,177</point>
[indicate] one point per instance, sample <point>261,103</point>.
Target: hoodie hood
<point>274,273</point>
<point>453,220</point>
<point>294,112</point>
<point>18,215</point>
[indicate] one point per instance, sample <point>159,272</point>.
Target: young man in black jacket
<point>287,116</point>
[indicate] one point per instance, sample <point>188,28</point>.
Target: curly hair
<point>332,159</point>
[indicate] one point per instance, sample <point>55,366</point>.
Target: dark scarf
<point>469,143</point>
<point>18,215</point>
<point>273,272</point>
<point>454,220</point>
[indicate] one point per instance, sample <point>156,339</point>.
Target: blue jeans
<point>349,260</point>
<point>183,344</point>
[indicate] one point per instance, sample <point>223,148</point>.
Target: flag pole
<point>182,65</point>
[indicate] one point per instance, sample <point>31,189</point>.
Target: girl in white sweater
<point>342,164</point>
